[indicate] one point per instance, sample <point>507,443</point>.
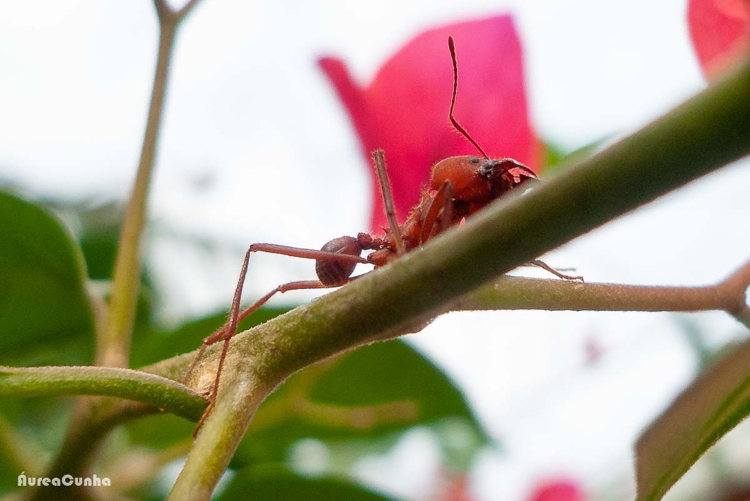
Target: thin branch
<point>168,15</point>
<point>742,315</point>
<point>113,341</point>
<point>186,9</point>
<point>515,293</point>
<point>735,287</point>
<point>147,388</point>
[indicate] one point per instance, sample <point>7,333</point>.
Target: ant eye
<point>474,160</point>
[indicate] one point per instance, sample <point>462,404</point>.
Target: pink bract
<point>720,31</point>
<point>404,110</point>
<point>558,490</point>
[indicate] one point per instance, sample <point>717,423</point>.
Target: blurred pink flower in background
<point>561,489</point>
<point>720,31</point>
<point>404,110</point>
<point>456,488</point>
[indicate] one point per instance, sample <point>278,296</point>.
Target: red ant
<point>459,186</point>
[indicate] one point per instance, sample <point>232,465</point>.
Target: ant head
<point>492,169</point>
<point>456,125</point>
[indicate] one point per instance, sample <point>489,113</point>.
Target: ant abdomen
<point>333,273</point>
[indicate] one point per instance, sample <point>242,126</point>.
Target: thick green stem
<point>506,293</point>
<point>700,136</point>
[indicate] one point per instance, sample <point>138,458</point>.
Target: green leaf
<point>98,226</point>
<point>371,395</point>
<point>711,406</point>
<point>44,309</point>
<point>557,159</point>
<point>279,484</point>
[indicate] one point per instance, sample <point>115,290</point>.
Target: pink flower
<point>404,110</point>
<point>456,488</point>
<point>558,490</point>
<point>720,30</point>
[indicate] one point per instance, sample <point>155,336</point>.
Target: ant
<point>459,187</point>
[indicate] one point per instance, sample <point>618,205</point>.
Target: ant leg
<point>541,264</point>
<point>271,249</point>
<point>228,330</point>
<point>438,208</point>
<point>303,253</point>
<point>387,192</point>
<point>235,316</point>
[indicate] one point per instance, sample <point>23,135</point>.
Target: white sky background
<point>249,113</point>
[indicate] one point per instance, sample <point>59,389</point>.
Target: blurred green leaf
<point>367,398</point>
<point>12,463</point>
<point>553,154</point>
<point>31,429</point>
<point>98,230</point>
<point>279,484</point>
<point>557,158</point>
<point>45,313</point>
<point>97,227</point>
<point>371,395</point>
<point>711,406</point>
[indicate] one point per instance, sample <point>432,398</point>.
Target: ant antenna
<point>452,48</point>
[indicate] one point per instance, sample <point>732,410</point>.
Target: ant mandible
<point>459,186</point>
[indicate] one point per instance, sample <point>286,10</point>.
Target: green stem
<point>147,388</point>
<point>114,342</point>
<point>703,134</point>
<point>219,437</point>
<point>506,293</point>
<point>93,418</point>
<point>515,293</point>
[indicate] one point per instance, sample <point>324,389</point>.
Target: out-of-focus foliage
<point>277,484</point>
<point>45,314</point>
<point>712,405</point>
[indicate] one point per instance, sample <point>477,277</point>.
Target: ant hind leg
<point>227,331</point>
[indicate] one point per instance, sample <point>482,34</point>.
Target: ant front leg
<point>440,207</point>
